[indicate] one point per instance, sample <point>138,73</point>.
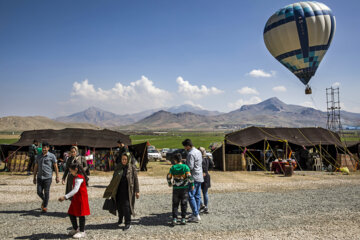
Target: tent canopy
<point>299,136</point>
<point>74,136</point>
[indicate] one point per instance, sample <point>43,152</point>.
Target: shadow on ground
<point>155,219</point>
<point>102,226</point>
<point>45,236</point>
<point>36,213</point>
<point>98,186</point>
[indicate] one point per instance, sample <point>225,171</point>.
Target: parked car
<point>151,148</point>
<point>154,154</point>
<point>170,155</point>
<point>164,151</point>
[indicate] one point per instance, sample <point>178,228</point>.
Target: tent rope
<point>319,151</point>
<point>307,141</point>
<point>254,158</point>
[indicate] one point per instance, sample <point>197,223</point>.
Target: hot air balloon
<point>299,35</point>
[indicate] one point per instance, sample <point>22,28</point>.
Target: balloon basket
<point>308,90</point>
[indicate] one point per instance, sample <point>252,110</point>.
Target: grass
<point>8,141</point>
<point>350,139</point>
<point>157,169</point>
<point>173,140</point>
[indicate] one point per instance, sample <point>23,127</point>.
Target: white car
<point>164,151</point>
<point>153,154</point>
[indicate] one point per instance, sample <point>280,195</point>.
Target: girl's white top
<point>78,182</point>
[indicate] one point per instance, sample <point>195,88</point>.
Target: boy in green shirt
<point>180,173</point>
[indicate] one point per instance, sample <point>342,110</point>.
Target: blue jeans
<point>43,190</point>
<point>195,198</point>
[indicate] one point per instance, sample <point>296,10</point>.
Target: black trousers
<point>81,222</point>
<point>31,162</point>
<point>123,206</point>
<point>180,196</point>
<point>43,189</point>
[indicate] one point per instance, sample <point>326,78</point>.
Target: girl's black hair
<point>74,164</point>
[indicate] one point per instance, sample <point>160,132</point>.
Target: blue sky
<point>60,57</point>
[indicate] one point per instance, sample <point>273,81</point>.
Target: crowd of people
<point>188,178</point>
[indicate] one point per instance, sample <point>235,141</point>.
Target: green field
<point>8,141</point>
<point>173,140</point>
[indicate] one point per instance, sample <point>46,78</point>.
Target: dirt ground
<point>244,205</point>
<point>18,187</point>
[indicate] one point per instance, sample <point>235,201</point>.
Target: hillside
<point>103,118</point>
<point>15,123</point>
<point>269,113</point>
<point>166,120</point>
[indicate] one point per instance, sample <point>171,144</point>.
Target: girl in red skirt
<point>79,206</point>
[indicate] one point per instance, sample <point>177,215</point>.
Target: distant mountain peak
<point>273,100</point>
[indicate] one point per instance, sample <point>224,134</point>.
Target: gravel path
<point>323,213</point>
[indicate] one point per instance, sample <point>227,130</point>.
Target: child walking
<point>79,206</point>
<point>180,173</point>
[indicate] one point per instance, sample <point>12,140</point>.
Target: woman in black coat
<point>206,164</point>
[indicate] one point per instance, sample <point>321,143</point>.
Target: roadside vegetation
<point>174,139</point>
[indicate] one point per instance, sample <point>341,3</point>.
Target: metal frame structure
<point>333,109</point>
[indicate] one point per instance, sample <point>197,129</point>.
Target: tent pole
<point>223,156</point>
<point>264,154</point>
<point>142,159</point>
<point>94,159</point>
<point>321,157</point>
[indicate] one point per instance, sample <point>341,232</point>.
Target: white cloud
<point>194,91</point>
<point>137,96</point>
<point>261,73</point>
<point>247,90</point>
<point>193,104</point>
<point>240,102</point>
<point>279,89</point>
<point>335,85</point>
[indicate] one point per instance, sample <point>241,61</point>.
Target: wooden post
<point>223,156</point>
<point>94,159</point>
<point>320,156</point>
<point>264,158</point>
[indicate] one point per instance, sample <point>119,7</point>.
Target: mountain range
<point>15,123</point>
<point>103,118</point>
<point>269,113</point>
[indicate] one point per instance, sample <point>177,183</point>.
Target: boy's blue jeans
<point>195,198</point>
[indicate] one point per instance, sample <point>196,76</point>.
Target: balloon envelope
<point>299,35</point>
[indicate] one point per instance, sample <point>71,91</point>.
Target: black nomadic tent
<point>95,139</point>
<point>74,136</point>
<point>261,137</point>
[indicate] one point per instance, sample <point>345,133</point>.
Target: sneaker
<point>42,206</point>
<point>79,235</point>
<point>195,218</point>
<point>174,221</point>
<point>202,207</point>
<point>72,232</point>
<point>206,210</point>
<point>127,227</point>
<point>183,221</point>
<point>44,210</point>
